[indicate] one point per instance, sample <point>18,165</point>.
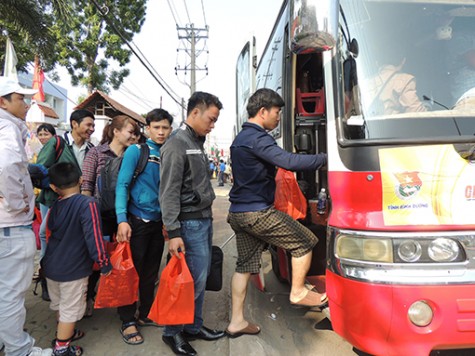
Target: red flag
<point>38,79</point>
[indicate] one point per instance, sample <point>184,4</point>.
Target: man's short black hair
<point>64,175</point>
<point>80,115</point>
<point>202,100</point>
<point>158,115</point>
<point>263,98</point>
<point>7,97</point>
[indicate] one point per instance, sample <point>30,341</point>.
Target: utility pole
<point>193,35</point>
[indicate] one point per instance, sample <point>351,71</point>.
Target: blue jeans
<point>17,251</point>
<point>198,237</point>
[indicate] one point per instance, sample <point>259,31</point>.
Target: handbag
<point>215,278</point>
<point>174,303</point>
<point>121,287</point>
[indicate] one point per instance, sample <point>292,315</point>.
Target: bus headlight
<point>364,249</point>
<point>409,251</point>
<point>420,313</point>
<point>443,250</point>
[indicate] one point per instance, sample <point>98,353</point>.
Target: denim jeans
<point>17,251</point>
<point>197,236</point>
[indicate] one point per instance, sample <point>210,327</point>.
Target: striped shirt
<point>95,159</point>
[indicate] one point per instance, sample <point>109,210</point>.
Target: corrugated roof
<point>116,108</point>
<point>48,111</point>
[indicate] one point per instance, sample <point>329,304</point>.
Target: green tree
<point>94,39</point>
<point>28,24</point>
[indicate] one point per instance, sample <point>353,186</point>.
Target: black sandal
<point>127,337</point>
<point>78,334</point>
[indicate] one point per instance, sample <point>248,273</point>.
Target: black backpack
<point>107,180</point>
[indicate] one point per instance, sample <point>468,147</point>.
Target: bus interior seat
<point>310,104</point>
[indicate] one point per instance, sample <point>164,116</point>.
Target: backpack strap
<point>89,145</point>
<point>143,160</point>
<point>59,147</point>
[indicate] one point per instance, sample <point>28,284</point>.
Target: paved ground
<point>285,330</point>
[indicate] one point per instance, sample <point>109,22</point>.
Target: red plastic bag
<point>36,227</point>
<point>175,300</point>
<point>288,196</point>
<point>121,287</point>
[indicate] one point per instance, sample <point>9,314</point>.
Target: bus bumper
<point>374,317</point>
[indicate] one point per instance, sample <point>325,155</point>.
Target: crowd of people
<point>171,196</point>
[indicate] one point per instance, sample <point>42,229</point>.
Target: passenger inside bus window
<point>391,90</point>
<point>462,68</point>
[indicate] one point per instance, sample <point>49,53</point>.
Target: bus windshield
<point>407,69</point>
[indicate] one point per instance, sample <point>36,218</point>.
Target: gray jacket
<point>185,188</point>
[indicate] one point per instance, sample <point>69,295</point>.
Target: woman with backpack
<point>119,134</point>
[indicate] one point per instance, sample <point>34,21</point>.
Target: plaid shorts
<point>254,230</point>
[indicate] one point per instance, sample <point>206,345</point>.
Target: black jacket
<point>255,156</point>
<point>185,188</point>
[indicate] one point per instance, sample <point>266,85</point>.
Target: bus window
<point>413,70</point>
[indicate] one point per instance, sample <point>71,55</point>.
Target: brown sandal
<point>312,299</point>
<point>250,329</point>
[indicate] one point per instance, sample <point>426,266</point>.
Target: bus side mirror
<point>314,25</point>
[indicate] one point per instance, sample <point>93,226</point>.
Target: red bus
<point>386,88</point>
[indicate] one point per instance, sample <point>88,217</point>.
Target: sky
<point>231,24</point>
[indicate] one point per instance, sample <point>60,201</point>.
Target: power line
<point>203,9</point>
<point>103,11</point>
<point>173,13</point>
<point>153,68</point>
<point>187,13</point>
<point>137,100</point>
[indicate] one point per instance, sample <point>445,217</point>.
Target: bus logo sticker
<point>409,184</point>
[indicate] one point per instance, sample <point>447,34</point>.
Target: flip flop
<point>78,334</point>
<point>250,329</point>
<point>312,299</point>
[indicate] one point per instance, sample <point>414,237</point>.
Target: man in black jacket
<point>186,197</point>
<point>252,215</point>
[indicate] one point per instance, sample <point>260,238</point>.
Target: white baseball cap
<point>9,86</point>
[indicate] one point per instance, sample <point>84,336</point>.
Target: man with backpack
<point>140,222</point>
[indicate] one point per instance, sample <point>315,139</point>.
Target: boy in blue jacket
<point>75,243</point>
<point>139,220</point>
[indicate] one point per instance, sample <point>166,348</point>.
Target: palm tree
<point>27,23</point>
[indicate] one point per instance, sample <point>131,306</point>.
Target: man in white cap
<point>17,240</point>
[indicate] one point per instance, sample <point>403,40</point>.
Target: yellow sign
<point>427,185</point>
